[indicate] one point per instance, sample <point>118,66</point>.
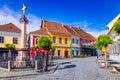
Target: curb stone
<point>37,73</point>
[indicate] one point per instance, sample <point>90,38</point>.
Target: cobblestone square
<point>77,69</point>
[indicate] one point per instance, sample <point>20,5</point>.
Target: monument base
<point>22,58</point>
<point>20,64</point>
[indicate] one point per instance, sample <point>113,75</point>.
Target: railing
<point>38,62</point>
<point>7,62</point>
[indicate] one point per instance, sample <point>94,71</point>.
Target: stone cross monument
<point>23,51</point>
<point>23,21</point>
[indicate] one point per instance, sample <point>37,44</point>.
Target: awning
<point>89,47</point>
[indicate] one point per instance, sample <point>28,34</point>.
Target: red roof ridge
<point>10,27</point>
<point>55,27</point>
<point>40,31</point>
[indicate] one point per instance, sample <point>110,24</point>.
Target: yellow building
<point>9,33</point>
<point>63,38</point>
<point>58,35</point>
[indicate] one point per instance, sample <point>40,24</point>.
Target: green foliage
<point>10,46</point>
<point>53,48</point>
<point>35,47</point>
<point>44,42</point>
<point>116,27</point>
<point>103,40</point>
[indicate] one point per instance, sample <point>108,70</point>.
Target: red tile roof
<point>84,34</point>
<point>10,27</point>
<point>80,32</point>
<point>54,27</point>
<point>71,30</point>
<point>91,37</point>
<point>40,31</point>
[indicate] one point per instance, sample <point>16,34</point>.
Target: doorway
<point>66,54</point>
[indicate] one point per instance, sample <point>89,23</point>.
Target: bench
<point>115,68</point>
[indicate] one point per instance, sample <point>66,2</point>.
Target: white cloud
<point>97,33</point>
<point>85,26</point>
<point>7,15</point>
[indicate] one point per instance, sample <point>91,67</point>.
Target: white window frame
<point>3,40</point>
<point>13,40</point>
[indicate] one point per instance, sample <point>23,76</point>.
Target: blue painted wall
<point>74,47</point>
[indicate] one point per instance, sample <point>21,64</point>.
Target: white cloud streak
<point>7,15</point>
<point>85,26</point>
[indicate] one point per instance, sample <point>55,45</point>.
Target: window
<point>54,39</point>
<point>72,52</point>
<point>60,40</point>
<point>77,52</point>
<point>1,39</point>
<point>65,40</point>
<point>15,40</point>
<point>77,41</point>
<point>73,40</point>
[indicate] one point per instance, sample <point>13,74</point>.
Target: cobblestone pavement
<point>77,69</point>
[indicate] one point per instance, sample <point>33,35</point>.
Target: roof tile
<point>10,27</point>
<point>54,27</point>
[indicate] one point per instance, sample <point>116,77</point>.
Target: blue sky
<point>90,15</point>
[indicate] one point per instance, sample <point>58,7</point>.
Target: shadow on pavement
<point>70,66</point>
<point>65,63</point>
<point>113,62</point>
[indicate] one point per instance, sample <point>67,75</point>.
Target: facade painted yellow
<point>9,39</point>
<point>60,46</point>
<point>110,25</point>
<point>62,51</point>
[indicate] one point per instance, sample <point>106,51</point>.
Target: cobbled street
<point>77,69</point>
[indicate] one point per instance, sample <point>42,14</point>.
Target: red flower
<point>40,49</point>
<point>32,51</point>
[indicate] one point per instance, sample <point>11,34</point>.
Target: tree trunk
<point>50,57</point>
<point>44,63</point>
<point>106,60</point>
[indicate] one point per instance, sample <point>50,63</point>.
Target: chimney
<point>42,25</point>
<point>70,27</point>
<point>79,28</point>
<point>62,25</point>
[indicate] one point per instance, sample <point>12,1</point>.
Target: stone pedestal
<point>22,58</point>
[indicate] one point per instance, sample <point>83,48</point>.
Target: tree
<point>9,47</point>
<point>45,43</point>
<point>103,41</point>
<point>116,27</point>
<point>53,48</point>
